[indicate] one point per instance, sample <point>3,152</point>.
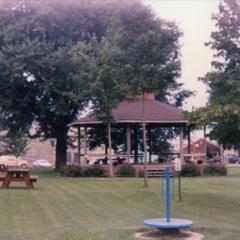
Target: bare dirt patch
<point>168,235</point>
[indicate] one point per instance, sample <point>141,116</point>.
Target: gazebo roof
<point>130,112</point>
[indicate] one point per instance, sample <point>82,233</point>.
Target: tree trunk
<point>61,147</point>
<point>144,143</point>
<point>205,143</point>
<point>110,150</point>
<point>79,146</point>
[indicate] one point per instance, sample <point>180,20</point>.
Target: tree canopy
<point>57,56</point>
<point>15,144</point>
<point>224,81</point>
<point>46,67</point>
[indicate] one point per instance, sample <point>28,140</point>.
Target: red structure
<point>200,148</point>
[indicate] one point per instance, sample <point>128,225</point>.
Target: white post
<point>85,145</point>
<point>222,154</point>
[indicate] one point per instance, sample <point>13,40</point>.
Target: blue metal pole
<point>168,200</point>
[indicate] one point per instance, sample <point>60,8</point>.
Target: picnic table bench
<point>16,174</point>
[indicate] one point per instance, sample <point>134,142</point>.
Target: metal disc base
<point>173,224</point>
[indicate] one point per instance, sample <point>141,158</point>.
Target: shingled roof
<point>156,112</point>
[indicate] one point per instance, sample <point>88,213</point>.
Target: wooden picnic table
<point>17,174</point>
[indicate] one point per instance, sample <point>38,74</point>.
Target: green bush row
<point>78,171</point>
<point>193,170</point>
<point>215,169</point>
<point>190,170</point>
<point>124,170</point>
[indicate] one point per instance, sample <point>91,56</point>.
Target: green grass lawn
<point>103,209</point>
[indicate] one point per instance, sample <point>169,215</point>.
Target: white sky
<point>193,17</point>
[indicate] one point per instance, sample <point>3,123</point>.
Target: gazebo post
<point>128,142</point>
<point>135,145</point>
<point>110,150</point>
<point>79,145</point>
<point>85,145</point>
<point>150,144</point>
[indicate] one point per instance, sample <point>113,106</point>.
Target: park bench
<point>159,171</point>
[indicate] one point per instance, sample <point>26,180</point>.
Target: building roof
<point>131,112</point>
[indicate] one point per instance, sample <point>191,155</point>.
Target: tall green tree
<point>151,48</point>
<point>224,81</point>
<point>148,58</point>
<point>46,66</point>
<point>110,87</point>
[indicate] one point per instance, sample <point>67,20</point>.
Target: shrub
<point>190,170</point>
<point>126,170</point>
<point>72,171</point>
<point>141,174</point>
<point>215,170</point>
<point>94,171</point>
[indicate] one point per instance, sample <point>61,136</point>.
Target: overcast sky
<point>194,19</point>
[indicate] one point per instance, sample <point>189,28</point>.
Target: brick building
<point>200,147</point>
<point>40,150</point>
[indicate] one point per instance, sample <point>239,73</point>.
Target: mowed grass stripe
<point>104,208</point>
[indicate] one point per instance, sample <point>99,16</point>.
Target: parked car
<point>42,163</point>
<point>214,160</point>
<point>11,161</point>
<point>234,159</point>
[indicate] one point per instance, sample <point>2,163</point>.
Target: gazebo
<point>129,114</point>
